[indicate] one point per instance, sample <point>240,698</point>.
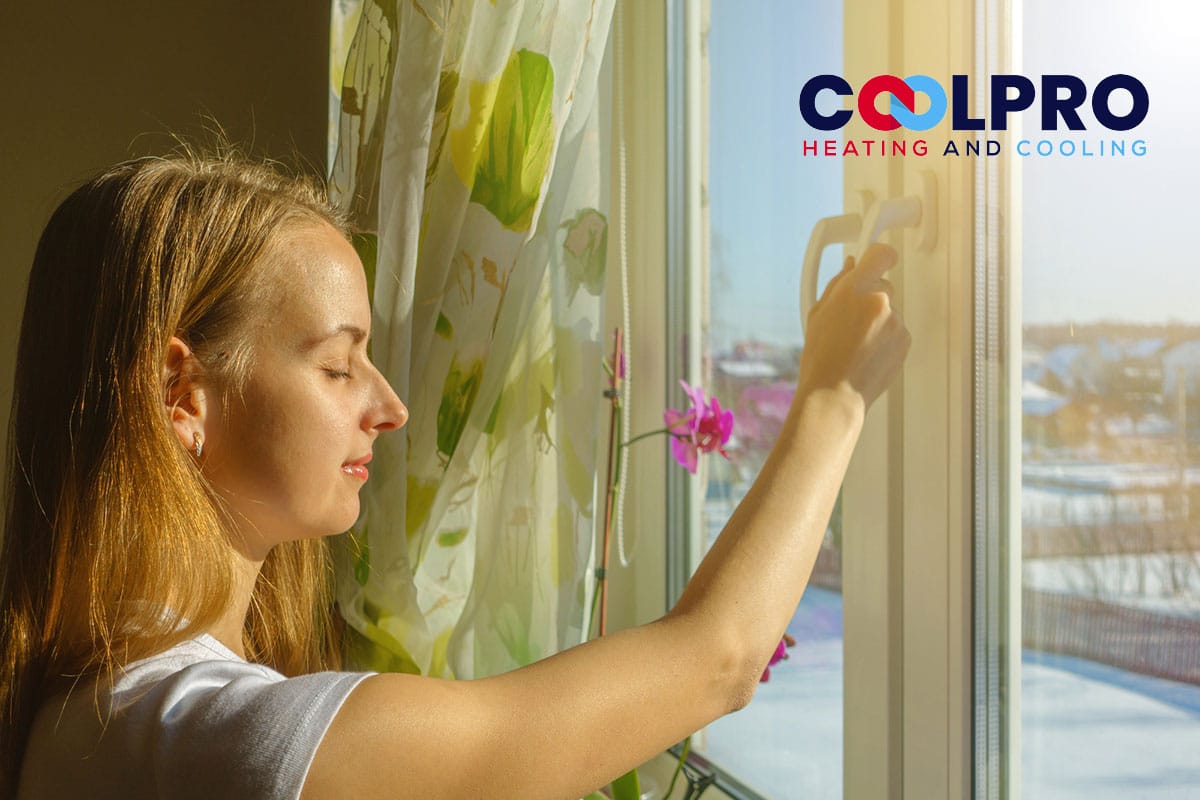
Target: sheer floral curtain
<point>468,154</point>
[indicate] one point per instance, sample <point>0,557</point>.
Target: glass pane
<point>765,198</point>
<point>1110,503</point>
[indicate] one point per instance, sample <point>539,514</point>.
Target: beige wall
<point>82,80</point>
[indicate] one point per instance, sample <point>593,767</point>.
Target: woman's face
<point>290,455</point>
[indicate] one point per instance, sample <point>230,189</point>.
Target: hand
<point>855,338</point>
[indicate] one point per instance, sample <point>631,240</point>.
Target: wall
<point>83,83</point>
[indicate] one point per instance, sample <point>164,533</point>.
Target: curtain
<point>469,157</point>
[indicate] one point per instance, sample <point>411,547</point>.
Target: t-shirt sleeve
<point>232,729</point>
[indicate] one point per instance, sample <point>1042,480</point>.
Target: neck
<point>228,628</point>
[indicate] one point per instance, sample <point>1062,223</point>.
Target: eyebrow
<point>357,334</point>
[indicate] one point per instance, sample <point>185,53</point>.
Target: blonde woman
<point>195,410</point>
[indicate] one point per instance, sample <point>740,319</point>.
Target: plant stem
<point>641,436</point>
<point>683,754</point>
<point>614,455</point>
<point>656,431</point>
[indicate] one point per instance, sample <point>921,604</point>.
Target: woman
<point>195,409</point>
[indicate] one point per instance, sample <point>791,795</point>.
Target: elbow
<point>744,685</point>
<point>741,696</point>
<point>742,673</point>
<point>746,677</point>
<point>731,675</point>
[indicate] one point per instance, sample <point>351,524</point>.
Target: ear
<point>183,396</point>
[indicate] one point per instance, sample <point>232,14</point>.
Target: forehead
<point>319,282</point>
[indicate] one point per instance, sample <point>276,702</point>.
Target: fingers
<point>881,285</point>
<point>869,270</point>
<point>847,268</point>
<point>877,260</point>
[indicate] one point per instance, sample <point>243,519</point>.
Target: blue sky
<point>764,197</point>
<point>1103,239</point>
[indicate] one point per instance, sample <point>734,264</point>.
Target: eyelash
<point>339,374</point>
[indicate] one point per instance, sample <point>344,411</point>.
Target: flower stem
<point>615,432</point>
<point>645,435</point>
<point>683,754</point>
<point>656,431</point>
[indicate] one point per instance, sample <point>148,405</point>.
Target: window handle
<point>911,211</point>
<point>828,230</point>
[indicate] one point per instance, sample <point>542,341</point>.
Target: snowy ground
<point>788,742</point>
<point>1089,731</point>
<point>1093,732</point>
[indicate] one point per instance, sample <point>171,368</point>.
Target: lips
<point>357,468</point>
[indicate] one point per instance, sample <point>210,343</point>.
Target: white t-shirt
<point>193,722</point>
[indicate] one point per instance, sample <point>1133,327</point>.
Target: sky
<point>764,197</point>
<point>1103,239</point>
<point>1116,240</point>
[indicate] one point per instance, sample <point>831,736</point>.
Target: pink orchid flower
<point>703,428</point>
<point>779,655</point>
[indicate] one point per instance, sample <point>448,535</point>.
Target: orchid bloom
<point>779,655</point>
<point>705,427</point>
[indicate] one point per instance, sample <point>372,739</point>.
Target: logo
<point>1059,99</point>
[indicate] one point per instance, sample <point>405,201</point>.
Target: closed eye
<point>337,374</point>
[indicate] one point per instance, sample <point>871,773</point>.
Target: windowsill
<point>661,769</point>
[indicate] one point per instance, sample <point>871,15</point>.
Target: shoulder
<point>192,721</point>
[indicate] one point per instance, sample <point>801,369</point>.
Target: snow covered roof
<point>1062,359</point>
<point>1136,349</point>
<point>1183,354</point>
<point>1038,401</point>
<point>748,369</point>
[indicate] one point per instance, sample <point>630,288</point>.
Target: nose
<point>387,412</point>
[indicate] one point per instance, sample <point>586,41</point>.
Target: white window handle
<point>898,212</point>
<point>827,231</point>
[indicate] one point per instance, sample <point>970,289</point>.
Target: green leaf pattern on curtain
<point>469,156</point>
<point>503,150</point>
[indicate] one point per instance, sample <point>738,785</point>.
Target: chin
<point>319,528</point>
<point>335,518</point>
<point>346,521</point>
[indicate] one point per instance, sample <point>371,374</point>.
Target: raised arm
<point>562,727</point>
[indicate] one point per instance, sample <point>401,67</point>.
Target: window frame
<point>911,685</point>
<point>912,620</point>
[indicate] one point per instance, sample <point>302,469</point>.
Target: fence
<point>1128,638</point>
<point>1132,639</point>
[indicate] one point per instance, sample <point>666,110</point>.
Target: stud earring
<point>199,443</point>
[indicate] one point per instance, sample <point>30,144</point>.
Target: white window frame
<point>911,506</point>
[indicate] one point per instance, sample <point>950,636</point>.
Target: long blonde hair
<point>107,515</point>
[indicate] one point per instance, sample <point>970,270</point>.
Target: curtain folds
<point>468,154</point>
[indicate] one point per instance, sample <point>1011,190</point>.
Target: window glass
<point>1110,402</point>
<point>764,198</point>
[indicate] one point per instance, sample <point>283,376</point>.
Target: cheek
<point>290,443</point>
<point>274,457</point>
<point>292,448</point>
<point>251,460</point>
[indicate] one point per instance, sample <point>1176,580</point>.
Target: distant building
<point>1069,369</point>
<point>1038,401</point>
<point>1182,362</point>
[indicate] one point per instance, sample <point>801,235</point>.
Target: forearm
<point>748,585</point>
